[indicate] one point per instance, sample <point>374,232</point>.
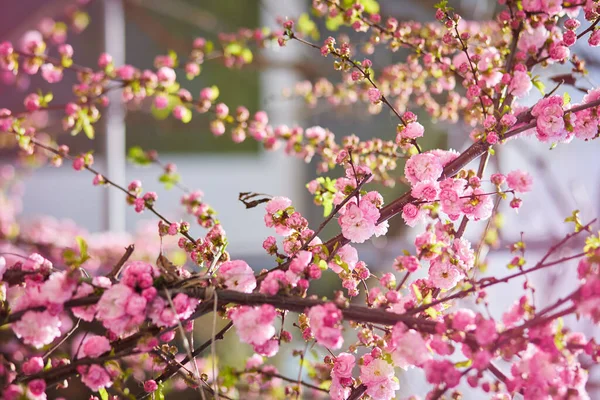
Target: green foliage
<point>136,155</point>
<point>539,85</point>
<point>159,394</point>
<point>227,377</point>
<point>72,258</point>
<point>170,179</point>
<point>103,394</point>
<point>371,6</point>
<point>574,218</point>
<point>307,27</point>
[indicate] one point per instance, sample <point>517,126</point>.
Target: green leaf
<point>463,364</point>
<point>227,377</point>
<point>187,116</point>
<point>247,55</point>
<point>136,155</point>
<point>88,129</point>
<point>574,218</point>
<point>159,393</point>
<point>233,49</point>
<point>323,265</point>
<point>83,248</point>
<point>566,98</point>
<point>170,180</point>
<point>371,6</point>
<point>333,24</point>
<point>173,56</point>
<point>327,203</point>
<point>103,394</point>
<point>307,27</point>
<point>539,85</point>
<point>161,113</point>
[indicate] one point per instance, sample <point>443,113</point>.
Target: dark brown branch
<point>174,368</point>
<point>112,275</point>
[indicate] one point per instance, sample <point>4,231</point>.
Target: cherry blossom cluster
<point>139,310</point>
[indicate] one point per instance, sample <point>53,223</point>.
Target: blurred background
<point>565,178</point>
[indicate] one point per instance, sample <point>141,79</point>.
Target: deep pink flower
<point>94,346</point>
<point>96,378</point>
<point>374,95</point>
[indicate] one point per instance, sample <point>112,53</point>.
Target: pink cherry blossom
<point>426,190</point>
<point>408,347</point>
<point>37,328</point>
<point>237,275</point>
<point>442,372</point>
<point>444,275</point>
<point>520,85</point>
<point>519,181</point>
<point>423,167</point>
<point>412,130</point>
<point>378,377</point>
<point>325,322</point>
<point>343,365</point>
<point>412,214</point>
<point>374,95</point>
<point>348,256</point>
<point>550,124</point>
<point>358,222</point>
<point>96,377</point>
<point>254,325</point>
<point>94,346</point>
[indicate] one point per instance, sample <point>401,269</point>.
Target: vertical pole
<point>114,135</point>
<point>273,80</point>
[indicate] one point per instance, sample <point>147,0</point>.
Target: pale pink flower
<point>343,365</point>
<point>408,347</point>
<point>423,167</point>
<point>325,323</point>
<point>300,262</point>
<point>426,190</point>
<point>277,204</point>
<point>358,223</point>
<point>254,325</point>
<point>464,253</point>
<point>412,214</point>
<point>477,207</point>
<point>273,282</point>
<point>113,303</point>
<point>520,85</point>
<point>237,275</point>
<point>550,124</point>
<point>348,256</point>
<point>378,377</point>
<point>444,275</point>
<point>37,328</point>
<point>412,130</point>
<point>519,181</point>
<point>58,289</point>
